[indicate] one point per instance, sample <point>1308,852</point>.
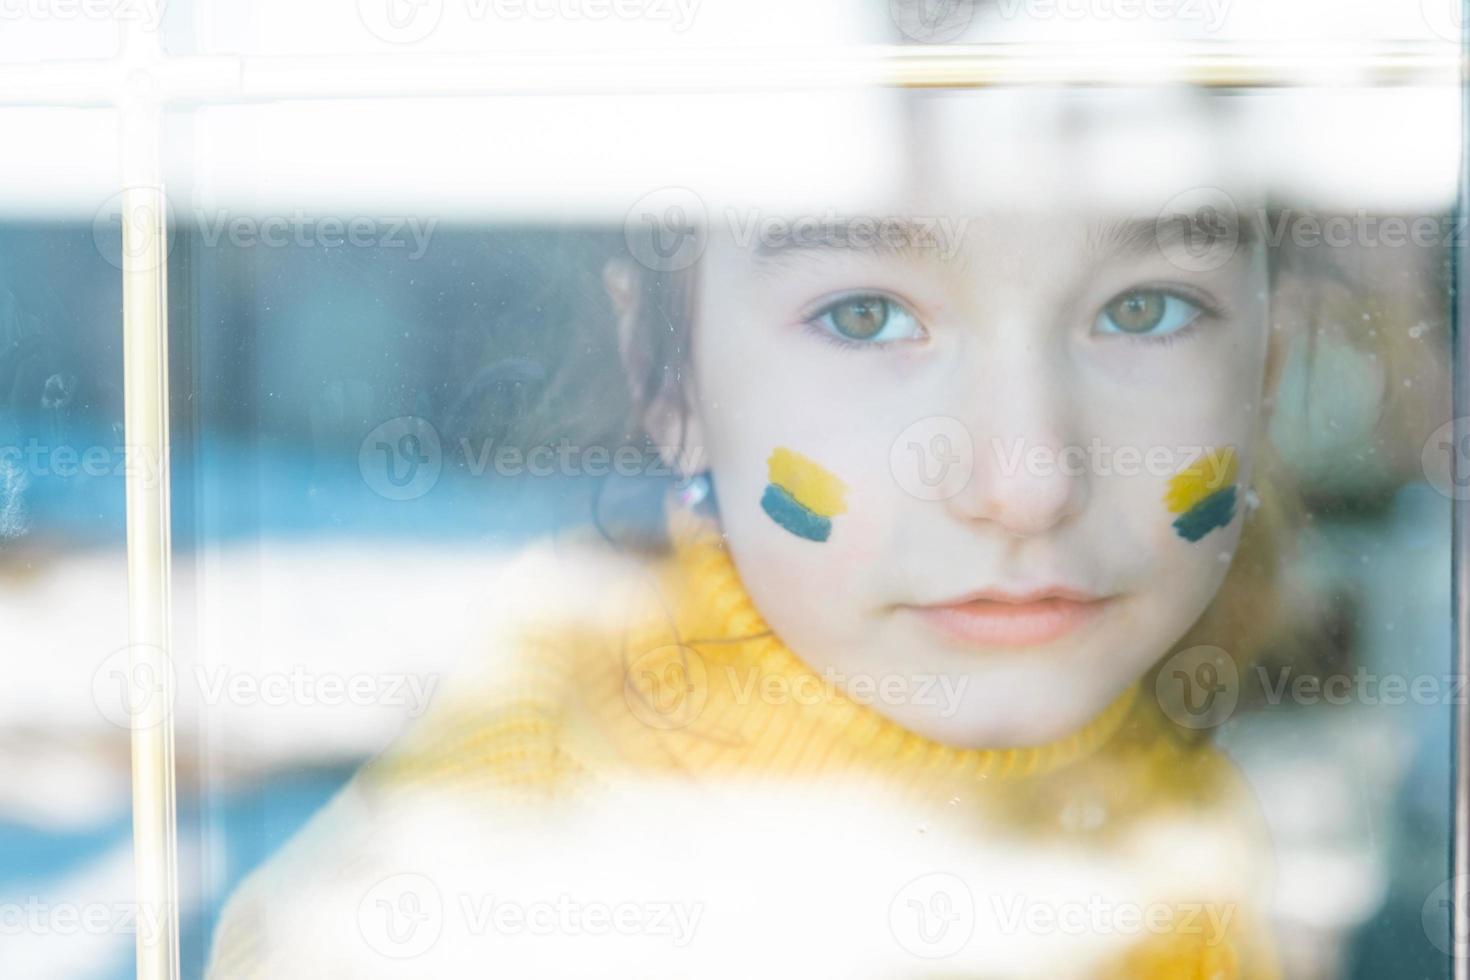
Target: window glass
<point>941,488</point>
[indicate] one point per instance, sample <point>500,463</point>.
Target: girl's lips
<point>1013,621</point>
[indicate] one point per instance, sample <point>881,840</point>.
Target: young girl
<point>971,528</point>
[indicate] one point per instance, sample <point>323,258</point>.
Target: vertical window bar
<point>1460,534</point>
<point>145,368</point>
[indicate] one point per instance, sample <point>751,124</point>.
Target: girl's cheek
<point>861,540</point>
<point>1204,496</point>
<point>823,510</point>
<point>802,496</point>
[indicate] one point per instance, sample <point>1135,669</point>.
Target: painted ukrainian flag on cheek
<point>1203,494</point>
<point>802,496</point>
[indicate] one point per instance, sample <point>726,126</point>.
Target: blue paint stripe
<point>1215,511</point>
<point>785,511</point>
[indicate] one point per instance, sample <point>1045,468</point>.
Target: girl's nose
<point>1030,475</point>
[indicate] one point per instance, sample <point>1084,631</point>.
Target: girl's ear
<point>662,408</point>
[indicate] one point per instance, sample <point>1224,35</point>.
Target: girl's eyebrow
<point>1206,230</point>
<point>886,236</point>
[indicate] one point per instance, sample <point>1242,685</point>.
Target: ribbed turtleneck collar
<point>705,671</point>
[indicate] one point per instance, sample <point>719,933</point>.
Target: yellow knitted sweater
<point>676,678</point>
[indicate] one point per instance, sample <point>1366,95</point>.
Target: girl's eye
<point>868,319</point>
<point>1146,312</point>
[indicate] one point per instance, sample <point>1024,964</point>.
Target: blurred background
<point>371,300</point>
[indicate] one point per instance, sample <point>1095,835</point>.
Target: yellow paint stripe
<point>808,482</point>
<point>1216,469</point>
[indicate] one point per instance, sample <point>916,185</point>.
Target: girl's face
<point>986,475</point>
